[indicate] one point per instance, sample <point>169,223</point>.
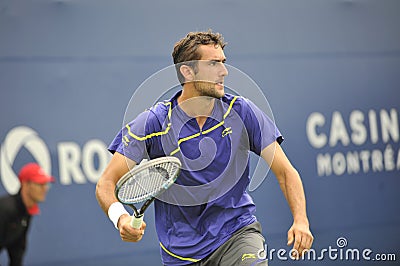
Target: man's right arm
<point>116,168</point>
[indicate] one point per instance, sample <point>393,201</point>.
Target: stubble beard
<point>208,89</point>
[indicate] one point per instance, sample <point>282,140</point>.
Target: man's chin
<point>220,94</point>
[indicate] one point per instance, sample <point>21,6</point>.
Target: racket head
<point>147,180</point>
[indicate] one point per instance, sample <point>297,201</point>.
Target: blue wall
<point>330,71</point>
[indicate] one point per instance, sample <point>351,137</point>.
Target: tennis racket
<point>144,183</point>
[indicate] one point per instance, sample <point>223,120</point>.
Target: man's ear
<point>187,72</point>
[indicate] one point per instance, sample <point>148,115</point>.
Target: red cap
<point>33,172</point>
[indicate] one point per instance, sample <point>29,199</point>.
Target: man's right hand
<point>127,233</point>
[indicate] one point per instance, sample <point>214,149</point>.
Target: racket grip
<point>136,222</point>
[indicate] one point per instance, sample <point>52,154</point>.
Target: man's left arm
<point>290,183</point>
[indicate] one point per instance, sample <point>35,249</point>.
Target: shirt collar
<point>34,210</point>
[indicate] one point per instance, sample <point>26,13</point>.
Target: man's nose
<point>224,71</point>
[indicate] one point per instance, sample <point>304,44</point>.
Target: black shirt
<point>14,225</point>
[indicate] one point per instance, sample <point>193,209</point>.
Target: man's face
<point>37,192</point>
<point>209,78</point>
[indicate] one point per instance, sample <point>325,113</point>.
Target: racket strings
<point>148,182</point>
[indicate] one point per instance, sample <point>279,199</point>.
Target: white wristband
<point>115,211</point>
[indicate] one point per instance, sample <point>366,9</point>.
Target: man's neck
<point>196,106</point>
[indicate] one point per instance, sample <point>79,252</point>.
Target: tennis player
<point>211,221</point>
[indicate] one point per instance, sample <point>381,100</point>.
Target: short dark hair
<point>186,49</point>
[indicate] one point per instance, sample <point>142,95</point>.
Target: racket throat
<point>137,213</point>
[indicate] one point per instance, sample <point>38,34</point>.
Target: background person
<point>17,210</point>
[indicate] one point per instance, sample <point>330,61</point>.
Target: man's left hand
<point>301,237</point>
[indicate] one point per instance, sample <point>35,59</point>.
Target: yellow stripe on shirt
<point>176,256</point>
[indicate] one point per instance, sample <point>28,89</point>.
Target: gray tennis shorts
<point>245,247</point>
